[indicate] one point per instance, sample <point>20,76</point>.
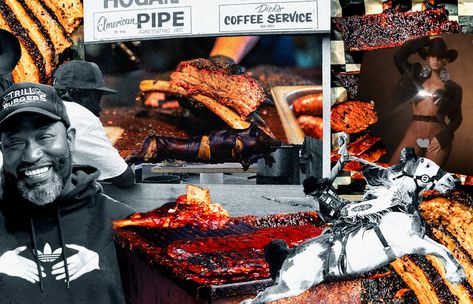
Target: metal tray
<point>283,97</point>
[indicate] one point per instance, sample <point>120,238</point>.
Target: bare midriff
<point>427,107</point>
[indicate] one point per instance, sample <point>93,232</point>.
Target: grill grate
<point>164,237</point>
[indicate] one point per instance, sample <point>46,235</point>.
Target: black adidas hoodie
<point>76,227</point>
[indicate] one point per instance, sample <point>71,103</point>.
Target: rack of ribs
<point>390,29</point>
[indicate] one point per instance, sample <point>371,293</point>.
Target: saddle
<point>332,209</point>
<point>340,231</point>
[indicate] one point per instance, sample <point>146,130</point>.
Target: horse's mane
<point>379,179</point>
<point>382,183</point>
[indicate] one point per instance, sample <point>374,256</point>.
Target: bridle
<point>424,178</point>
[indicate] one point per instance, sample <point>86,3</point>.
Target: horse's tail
<point>275,253</point>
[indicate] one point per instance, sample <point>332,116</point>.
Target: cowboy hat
<point>438,47</point>
<point>10,51</point>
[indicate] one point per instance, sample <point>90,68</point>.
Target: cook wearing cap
<point>35,135</point>
<point>82,82</point>
<point>10,53</point>
<point>28,97</point>
<point>81,86</point>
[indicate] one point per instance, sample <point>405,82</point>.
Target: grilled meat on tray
<point>230,117</point>
<point>240,92</point>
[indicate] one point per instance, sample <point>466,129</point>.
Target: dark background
<point>378,79</point>
<point>155,59</point>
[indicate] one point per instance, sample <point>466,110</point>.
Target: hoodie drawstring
<point>35,254</point>
<point>35,250</point>
<point>64,255</point>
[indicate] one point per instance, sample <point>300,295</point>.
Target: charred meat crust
<point>37,33</point>
<point>22,35</point>
<point>51,13</point>
<point>454,212</point>
<point>68,12</point>
<point>180,252</point>
<point>43,31</point>
<point>239,92</point>
<point>385,288</point>
<point>436,282</point>
<point>459,251</point>
<point>453,238</point>
<point>369,32</point>
<point>457,195</point>
<point>352,116</point>
<point>349,81</point>
<point>49,22</point>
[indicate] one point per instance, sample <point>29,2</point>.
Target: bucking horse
<point>368,234</point>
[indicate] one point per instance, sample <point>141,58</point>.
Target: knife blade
<point>292,200</point>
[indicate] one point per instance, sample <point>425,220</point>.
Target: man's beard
<point>43,194</point>
<point>46,193</point>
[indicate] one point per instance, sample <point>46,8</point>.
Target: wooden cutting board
<point>114,133</point>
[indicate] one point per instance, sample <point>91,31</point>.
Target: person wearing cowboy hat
<point>10,53</point>
<point>435,98</point>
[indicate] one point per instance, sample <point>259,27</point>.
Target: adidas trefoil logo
<point>49,256</point>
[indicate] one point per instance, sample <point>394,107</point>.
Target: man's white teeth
<point>34,172</point>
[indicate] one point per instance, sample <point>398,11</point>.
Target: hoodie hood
<point>84,179</point>
<point>18,211</point>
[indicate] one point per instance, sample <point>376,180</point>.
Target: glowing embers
<point>211,248</point>
<point>194,208</point>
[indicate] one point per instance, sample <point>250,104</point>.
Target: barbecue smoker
<point>286,168</point>
<point>302,156</point>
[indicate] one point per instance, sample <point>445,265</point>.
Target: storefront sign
<point>264,17</point>
<point>117,20</point>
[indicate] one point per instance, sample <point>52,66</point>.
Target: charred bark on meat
<point>228,145</point>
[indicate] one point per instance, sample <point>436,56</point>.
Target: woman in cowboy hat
<point>10,53</point>
<point>436,100</point>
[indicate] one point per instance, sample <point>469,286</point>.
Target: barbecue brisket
<point>375,31</point>
<point>239,92</point>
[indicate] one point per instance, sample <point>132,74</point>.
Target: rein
<point>423,178</point>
